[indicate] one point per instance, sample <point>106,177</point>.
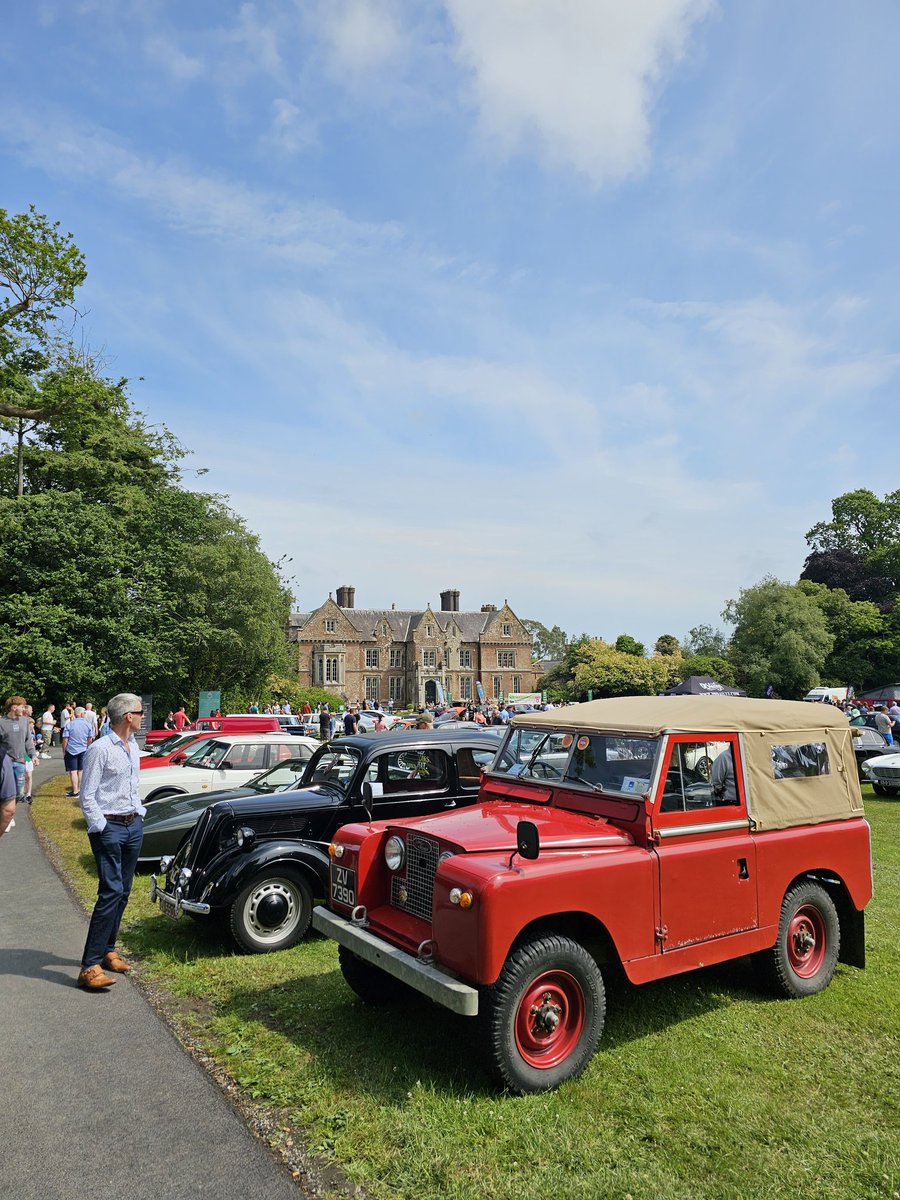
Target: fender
<point>226,884</point>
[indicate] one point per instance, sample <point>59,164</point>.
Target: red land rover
<point>658,833</point>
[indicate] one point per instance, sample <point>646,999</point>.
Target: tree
<point>667,644</point>
<point>591,665</point>
<point>40,270</point>
<point>850,571</point>
<point>713,665</point>
<point>113,577</point>
<point>862,648</point>
<point>861,523</point>
<point>781,638</point>
<point>546,643</point>
<point>626,644</point>
<point>703,639</point>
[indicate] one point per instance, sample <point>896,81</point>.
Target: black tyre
<point>543,1018</point>
<point>703,767</point>
<point>271,913</point>
<point>881,789</point>
<point>164,794</point>
<point>371,984</point>
<point>803,959</point>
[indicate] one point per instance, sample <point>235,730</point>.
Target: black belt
<point>122,818</point>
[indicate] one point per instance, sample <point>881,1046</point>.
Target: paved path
<point>97,1096</point>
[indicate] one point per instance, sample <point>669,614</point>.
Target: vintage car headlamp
<point>463,899</point>
<point>184,875</point>
<point>336,850</point>
<point>165,862</point>
<point>443,858</point>
<point>245,836</point>
<point>395,853</point>
<point>866,768</point>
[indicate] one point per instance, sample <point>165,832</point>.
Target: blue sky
<point>588,305</point>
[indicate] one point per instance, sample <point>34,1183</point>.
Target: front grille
<point>887,774</point>
<point>414,893</point>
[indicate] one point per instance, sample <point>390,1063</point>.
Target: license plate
<point>167,905</point>
<point>343,885</point>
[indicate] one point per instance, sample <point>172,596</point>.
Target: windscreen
<point>333,766</point>
<point>197,750</point>
<point>602,762</point>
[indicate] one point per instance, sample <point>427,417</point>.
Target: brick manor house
<point>412,657</point>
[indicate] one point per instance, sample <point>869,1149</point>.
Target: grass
<point>703,1087</point>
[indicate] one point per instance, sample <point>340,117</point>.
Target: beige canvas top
<point>772,803</point>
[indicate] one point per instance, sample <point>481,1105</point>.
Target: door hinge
<point>662,932</point>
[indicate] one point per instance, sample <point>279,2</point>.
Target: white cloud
<point>573,83</point>
<point>363,35</point>
<point>163,51</point>
<point>291,130</point>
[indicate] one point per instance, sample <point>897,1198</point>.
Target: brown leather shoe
<point>115,962</point>
<point>94,979</point>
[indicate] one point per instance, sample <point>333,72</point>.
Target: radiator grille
<point>414,893</point>
<point>890,775</point>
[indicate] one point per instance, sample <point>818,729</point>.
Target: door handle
<point>743,873</point>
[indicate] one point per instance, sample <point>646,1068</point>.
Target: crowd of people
<point>24,739</point>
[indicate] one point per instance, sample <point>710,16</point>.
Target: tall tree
<point>703,639</point>
<point>626,644</point>
<point>860,523</point>
<point>40,270</point>
<point>113,576</point>
<point>667,644</point>
<point>781,638</point>
<point>546,643</point>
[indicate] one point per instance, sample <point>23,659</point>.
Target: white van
<point>836,695</point>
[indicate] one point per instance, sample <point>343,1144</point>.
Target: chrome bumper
<point>434,983</point>
<point>173,904</point>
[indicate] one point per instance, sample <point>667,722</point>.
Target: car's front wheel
<point>882,789</point>
<point>803,959</point>
<point>543,1018</point>
<point>271,913</point>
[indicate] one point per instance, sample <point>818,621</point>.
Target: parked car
<point>256,863</point>
<point>174,750</point>
<point>883,773</point>
<point>619,855</point>
<point>867,744</point>
<point>167,821</point>
<point>223,762</point>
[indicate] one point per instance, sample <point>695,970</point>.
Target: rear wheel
<point>271,913</point>
<point>803,959</point>
<point>543,1017</point>
<point>371,984</point>
<point>164,794</point>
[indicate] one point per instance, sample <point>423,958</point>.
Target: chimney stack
<point>484,607</point>
<point>450,600</point>
<point>346,596</point>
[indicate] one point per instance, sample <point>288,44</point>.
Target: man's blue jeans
<point>19,772</point>
<point>116,851</point>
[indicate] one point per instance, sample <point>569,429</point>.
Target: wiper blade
<point>595,787</point>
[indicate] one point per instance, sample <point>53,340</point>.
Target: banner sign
<point>209,703</point>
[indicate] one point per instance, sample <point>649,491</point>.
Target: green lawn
<point>703,1086</point>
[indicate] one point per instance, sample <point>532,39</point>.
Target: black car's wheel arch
<point>308,862</point>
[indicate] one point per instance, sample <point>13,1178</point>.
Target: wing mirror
<point>528,842</point>
<point>227,765</point>
<point>372,791</point>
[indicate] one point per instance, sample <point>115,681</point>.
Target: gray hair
<point>118,706</point>
<point>79,711</point>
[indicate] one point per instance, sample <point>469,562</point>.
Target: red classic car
<point>599,842</point>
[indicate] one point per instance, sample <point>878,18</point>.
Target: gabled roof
<point>404,622</point>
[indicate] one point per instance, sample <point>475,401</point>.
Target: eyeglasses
<point>136,712</point>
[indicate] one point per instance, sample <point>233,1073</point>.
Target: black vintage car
<point>254,864</point>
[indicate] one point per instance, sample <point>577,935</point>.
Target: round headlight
<point>447,854</point>
<point>244,836</point>
<point>394,853</point>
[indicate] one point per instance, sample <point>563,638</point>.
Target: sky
<point>586,305</point>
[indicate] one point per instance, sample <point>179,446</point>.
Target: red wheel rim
<point>806,941</point>
<point>549,1019</point>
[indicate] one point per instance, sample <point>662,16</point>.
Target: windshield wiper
<point>595,787</point>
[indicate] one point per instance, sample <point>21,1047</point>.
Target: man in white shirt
<point>114,815</point>
<point>48,724</point>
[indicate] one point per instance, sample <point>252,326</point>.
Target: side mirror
<point>372,791</point>
<point>227,765</point>
<point>179,758</point>
<point>528,842</point>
